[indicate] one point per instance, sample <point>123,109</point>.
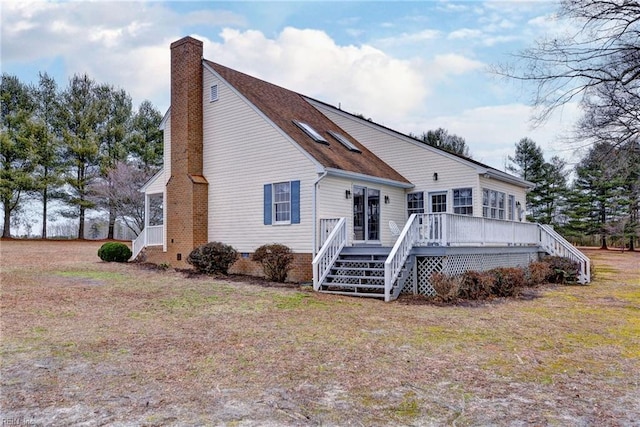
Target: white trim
<point>151,180</point>
<point>166,116</point>
<point>367,178</point>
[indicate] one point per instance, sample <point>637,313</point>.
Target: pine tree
<point>17,136</point>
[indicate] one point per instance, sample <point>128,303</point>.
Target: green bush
<point>508,281</point>
<point>476,285</point>
<point>275,259</point>
<point>114,252</point>
<point>563,270</point>
<point>212,258</point>
<point>446,286</point>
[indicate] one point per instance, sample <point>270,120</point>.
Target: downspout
<point>315,214</point>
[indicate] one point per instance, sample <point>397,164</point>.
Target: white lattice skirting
<point>418,281</point>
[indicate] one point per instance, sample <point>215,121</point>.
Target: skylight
<point>344,141</point>
<point>311,132</point>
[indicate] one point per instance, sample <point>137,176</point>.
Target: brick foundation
<point>302,270</point>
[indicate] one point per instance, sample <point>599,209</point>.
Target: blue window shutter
<point>295,202</point>
<point>267,204</point>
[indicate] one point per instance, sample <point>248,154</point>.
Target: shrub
<point>563,270</point>
<point>114,252</point>
<point>476,285</point>
<point>538,272</point>
<point>508,281</point>
<point>212,258</point>
<point>275,259</point>
<point>446,286</point>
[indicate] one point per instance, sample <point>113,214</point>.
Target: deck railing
<point>335,241</point>
<point>149,236</point>
<point>443,229</point>
<point>399,254</point>
<point>326,227</point>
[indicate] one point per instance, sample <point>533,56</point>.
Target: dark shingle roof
<point>283,106</point>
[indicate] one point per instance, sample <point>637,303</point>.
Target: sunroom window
<point>463,201</point>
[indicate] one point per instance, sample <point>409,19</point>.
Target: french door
<point>366,214</point>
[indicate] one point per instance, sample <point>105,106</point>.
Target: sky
<point>411,66</point>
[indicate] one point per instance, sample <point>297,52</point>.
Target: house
<point>366,210</point>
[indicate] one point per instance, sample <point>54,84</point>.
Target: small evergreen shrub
<point>446,287</point>
<point>476,285</point>
<point>275,259</point>
<point>212,258</point>
<point>563,270</point>
<point>114,252</point>
<point>508,281</point>
<point>538,272</point>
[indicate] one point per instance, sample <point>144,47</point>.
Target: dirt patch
<point>93,343</point>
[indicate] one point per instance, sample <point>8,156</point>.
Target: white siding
<point>418,163</point>
<point>242,152</point>
<point>157,185</point>
<point>332,203</point>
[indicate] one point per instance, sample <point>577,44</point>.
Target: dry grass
<point>86,342</point>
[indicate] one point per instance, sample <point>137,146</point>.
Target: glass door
<point>366,214</point>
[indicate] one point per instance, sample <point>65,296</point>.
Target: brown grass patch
<point>90,342</point>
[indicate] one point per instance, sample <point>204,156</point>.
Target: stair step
<point>372,284</point>
<point>356,294</point>
<point>347,268</point>
<point>370,281</point>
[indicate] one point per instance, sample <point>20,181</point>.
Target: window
<point>213,94</point>
<point>282,203</point>
<point>438,202</point>
<point>344,141</point>
<point>511,207</point>
<point>311,132</point>
<point>493,204</point>
<point>463,201</point>
<point>415,203</point>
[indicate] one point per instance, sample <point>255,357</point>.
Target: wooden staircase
<point>358,271</point>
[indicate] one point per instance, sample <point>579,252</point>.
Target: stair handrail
<point>549,237</point>
<point>138,244</point>
<point>328,254</point>
<point>399,254</point>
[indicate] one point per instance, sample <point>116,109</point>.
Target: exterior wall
<point>242,153</point>
<point>332,203</point>
<point>418,163</point>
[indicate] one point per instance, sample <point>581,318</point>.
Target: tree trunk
<point>632,245</point>
<point>81,224</point>
<point>603,244</point>
<point>6,231</point>
<point>112,221</point>
<point>44,212</point>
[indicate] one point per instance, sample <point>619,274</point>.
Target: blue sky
<point>412,66</point>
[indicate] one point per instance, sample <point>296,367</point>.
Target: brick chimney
<point>187,188</point>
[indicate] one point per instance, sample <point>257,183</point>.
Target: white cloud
<point>362,79</point>
<point>464,33</point>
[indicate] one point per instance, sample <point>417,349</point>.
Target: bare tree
<point>596,64</point>
<point>120,189</point>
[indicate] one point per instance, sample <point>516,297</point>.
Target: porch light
<point>386,200</point>
<point>435,176</point>
<point>347,194</point>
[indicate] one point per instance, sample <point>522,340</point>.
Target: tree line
<point>84,146</point>
<point>602,200</point>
